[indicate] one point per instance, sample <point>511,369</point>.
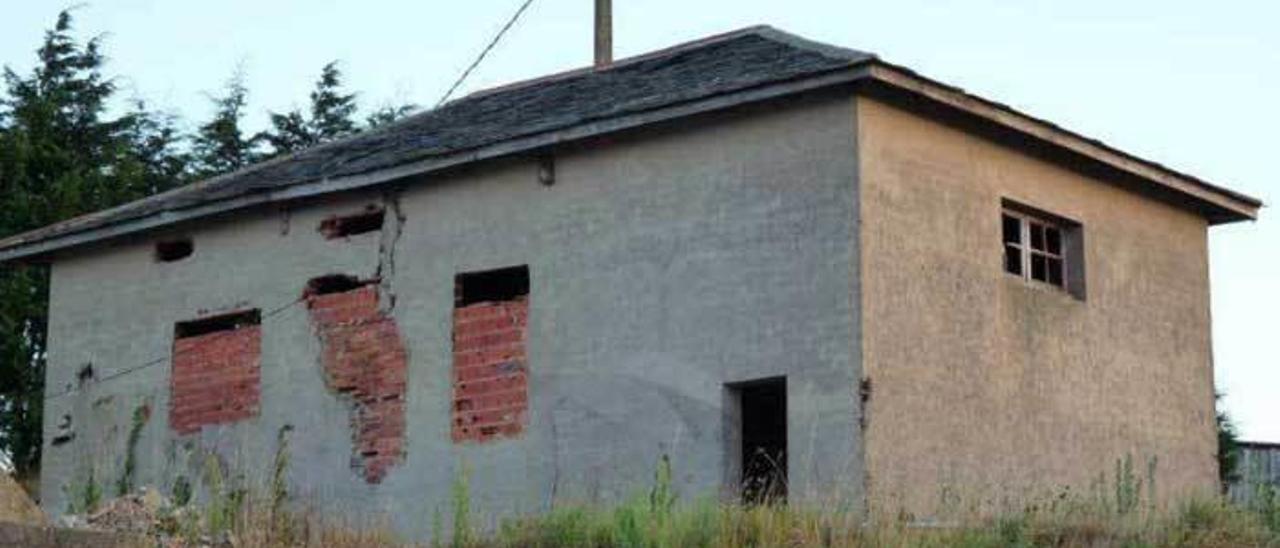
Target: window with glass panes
<point>1035,248</point>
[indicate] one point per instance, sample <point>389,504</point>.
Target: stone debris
<point>146,514</point>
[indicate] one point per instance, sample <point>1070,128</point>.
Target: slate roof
<point>714,66</point>
<point>741,66</point>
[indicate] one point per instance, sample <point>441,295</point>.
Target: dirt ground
<point>16,506</point>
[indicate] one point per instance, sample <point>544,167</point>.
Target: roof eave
<point>1217,204</point>
<point>37,249</point>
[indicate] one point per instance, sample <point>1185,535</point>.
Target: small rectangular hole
<point>342,226</point>
<point>224,322</point>
<point>333,283</point>
<point>504,284</point>
<point>173,250</point>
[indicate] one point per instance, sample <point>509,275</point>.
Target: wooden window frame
<point>1069,255</point>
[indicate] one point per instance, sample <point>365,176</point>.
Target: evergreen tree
<point>219,145</point>
<point>60,156</point>
<point>1228,446</point>
<point>332,110</point>
<point>331,116</point>
<point>387,114</point>
<point>158,160</point>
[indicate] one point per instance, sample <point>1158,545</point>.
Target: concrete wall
<point>986,389</point>
<point>662,267</point>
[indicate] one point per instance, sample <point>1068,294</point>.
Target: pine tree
<point>330,118</point>
<point>387,114</point>
<point>331,110</point>
<point>158,160</point>
<point>1228,446</point>
<point>220,146</point>
<point>60,156</point>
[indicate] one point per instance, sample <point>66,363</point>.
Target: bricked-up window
<point>216,371</point>
<point>365,363</point>
<point>1043,248</point>
<point>168,251</point>
<point>490,367</point>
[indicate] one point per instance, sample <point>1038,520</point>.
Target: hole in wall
<point>503,284</point>
<point>763,435</point>
<point>65,433</point>
<point>168,251</point>
<point>85,374</point>
<point>342,226</point>
<point>224,322</point>
<point>333,283</point>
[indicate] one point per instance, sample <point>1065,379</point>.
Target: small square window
<point>1043,248</point>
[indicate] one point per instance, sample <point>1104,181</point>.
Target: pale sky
<point>1191,84</point>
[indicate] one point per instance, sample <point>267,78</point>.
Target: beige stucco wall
<point>986,390</point>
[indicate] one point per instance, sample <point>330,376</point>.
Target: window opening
<point>173,250</point>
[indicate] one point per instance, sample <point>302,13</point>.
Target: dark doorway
<point>763,406</point>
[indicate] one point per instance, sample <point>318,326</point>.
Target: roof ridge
<point>764,31</point>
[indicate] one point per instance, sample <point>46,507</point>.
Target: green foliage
<point>1228,446</point>
<point>282,528</point>
<point>140,417</point>
<point>61,155</point>
<point>662,498</point>
<point>388,113</point>
<point>1266,504</point>
<point>331,116</point>
<point>462,530</point>
<point>1127,486</point>
<point>220,145</point>
<point>226,501</point>
<point>85,496</point>
<point>181,493</point>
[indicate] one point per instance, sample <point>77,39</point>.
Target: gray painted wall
<point>662,266</point>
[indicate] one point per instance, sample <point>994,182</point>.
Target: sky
<point>1193,85</point>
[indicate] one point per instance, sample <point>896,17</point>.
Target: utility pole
<point>604,33</point>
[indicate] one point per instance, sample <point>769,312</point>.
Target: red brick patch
<point>364,359</point>
<point>490,370</point>
<point>215,378</point>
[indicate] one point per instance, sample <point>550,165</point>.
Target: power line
<point>492,43</point>
<point>162,360</point>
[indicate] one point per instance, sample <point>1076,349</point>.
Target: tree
<point>156,157</point>
<point>387,114</point>
<point>219,145</point>
<point>330,118</point>
<point>1228,446</point>
<point>60,156</point>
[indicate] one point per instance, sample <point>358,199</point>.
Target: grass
<point>641,523</point>
<point>638,524</point>
<point>657,519</point>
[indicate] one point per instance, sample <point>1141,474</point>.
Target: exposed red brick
<point>490,370</point>
<point>364,360</point>
<point>215,378</point>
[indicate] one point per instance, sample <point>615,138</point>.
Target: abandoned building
<point>752,246</point>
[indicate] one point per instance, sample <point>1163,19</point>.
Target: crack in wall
<point>365,362</point>
<point>387,245</point>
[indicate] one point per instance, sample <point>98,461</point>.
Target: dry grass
<point>646,522</point>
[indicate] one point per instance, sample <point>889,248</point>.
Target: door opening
<point>763,457</point>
